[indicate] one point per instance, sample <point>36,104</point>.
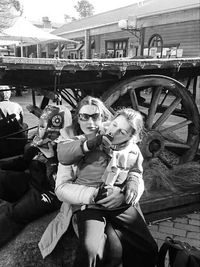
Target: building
<point>46,25</point>
<point>150,28</point>
<point>44,50</point>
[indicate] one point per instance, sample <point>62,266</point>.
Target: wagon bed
<point>164,90</point>
<point>39,72</point>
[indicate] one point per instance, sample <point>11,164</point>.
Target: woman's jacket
<point>68,191</point>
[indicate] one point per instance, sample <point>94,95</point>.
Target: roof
<point>40,24</point>
<point>148,8</point>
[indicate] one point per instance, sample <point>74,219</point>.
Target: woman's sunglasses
<point>86,117</point>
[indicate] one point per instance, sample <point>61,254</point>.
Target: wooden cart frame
<point>164,90</point>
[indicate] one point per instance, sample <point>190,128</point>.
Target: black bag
<point>13,136</point>
<point>181,254</point>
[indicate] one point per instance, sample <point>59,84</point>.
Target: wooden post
<point>15,50</point>
<point>141,41</point>
<point>59,50</point>
<point>21,46</point>
<point>38,50</point>
<point>47,50</point>
<point>87,44</point>
<point>198,93</point>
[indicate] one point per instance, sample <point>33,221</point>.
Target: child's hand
<point>107,140</point>
<point>92,144</point>
<point>103,128</point>
<point>114,198</point>
<point>48,152</point>
<point>37,141</point>
<point>130,192</point>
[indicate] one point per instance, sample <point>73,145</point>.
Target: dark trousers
<point>128,238</point>
<point>13,145</point>
<point>24,203</point>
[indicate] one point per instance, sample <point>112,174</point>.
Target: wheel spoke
<point>175,127</point>
<point>166,114</point>
<point>176,145</point>
<point>164,98</point>
<point>134,100</point>
<point>153,106</point>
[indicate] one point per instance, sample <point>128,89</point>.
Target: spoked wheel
<point>171,116</point>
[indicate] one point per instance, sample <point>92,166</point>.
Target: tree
<point>9,9</point>
<point>84,8</point>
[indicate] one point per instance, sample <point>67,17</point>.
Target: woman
<point>9,107</point>
<point>11,122</point>
<point>120,231</point>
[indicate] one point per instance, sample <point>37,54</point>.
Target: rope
<point>22,131</point>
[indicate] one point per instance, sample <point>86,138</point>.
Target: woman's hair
<point>89,100</point>
<point>135,120</point>
<point>5,93</point>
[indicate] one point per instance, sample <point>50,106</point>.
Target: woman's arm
<point>67,191</point>
<point>70,151</point>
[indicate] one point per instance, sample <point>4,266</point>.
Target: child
<point>123,168</point>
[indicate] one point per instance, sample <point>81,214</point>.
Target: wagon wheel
<point>170,114</point>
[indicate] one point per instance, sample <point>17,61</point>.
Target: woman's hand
<point>48,152</point>
<point>114,199</point>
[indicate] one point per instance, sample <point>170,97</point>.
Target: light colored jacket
<point>126,163</point>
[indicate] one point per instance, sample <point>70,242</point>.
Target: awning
<point>72,48</point>
<point>56,50</point>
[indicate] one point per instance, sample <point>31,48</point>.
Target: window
<point>116,48</point>
<point>155,45</point>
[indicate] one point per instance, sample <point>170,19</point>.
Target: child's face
<point>89,119</point>
<point>120,129</point>
<point>42,128</point>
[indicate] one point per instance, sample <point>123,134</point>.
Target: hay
<point>185,176</point>
<point>156,177</point>
<point>179,179</point>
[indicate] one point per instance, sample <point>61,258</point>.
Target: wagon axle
<point>152,144</point>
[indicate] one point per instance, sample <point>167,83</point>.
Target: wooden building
<point>150,28</point>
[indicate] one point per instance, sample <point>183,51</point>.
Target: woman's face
<point>120,129</point>
<point>89,119</point>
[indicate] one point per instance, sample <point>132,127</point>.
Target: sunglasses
<point>86,117</point>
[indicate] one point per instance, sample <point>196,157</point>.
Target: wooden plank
<point>159,202</point>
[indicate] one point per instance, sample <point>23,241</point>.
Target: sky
<point>55,9</point>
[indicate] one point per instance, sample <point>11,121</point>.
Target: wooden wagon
<point>164,90</point>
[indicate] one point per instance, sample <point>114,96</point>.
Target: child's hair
<point>89,100</point>
<point>135,120</point>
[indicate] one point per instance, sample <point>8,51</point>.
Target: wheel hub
<point>152,144</point>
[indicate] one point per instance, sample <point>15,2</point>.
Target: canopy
<point>25,32</point>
